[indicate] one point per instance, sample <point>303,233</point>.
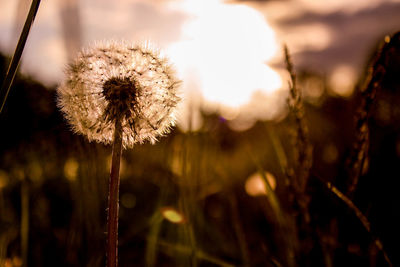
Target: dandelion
<point>115,81</point>
<point>121,94</point>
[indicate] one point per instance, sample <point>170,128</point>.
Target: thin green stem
<point>24,221</point>
<point>113,198</point>
<point>12,69</point>
<point>187,199</point>
<point>237,225</point>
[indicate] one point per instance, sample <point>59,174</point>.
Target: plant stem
<point>113,198</point>
<point>364,221</point>
<point>12,69</point>
<point>24,221</point>
<point>237,225</point>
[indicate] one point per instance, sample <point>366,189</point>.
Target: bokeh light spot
<point>342,80</point>
<point>128,200</point>
<point>13,262</point>
<point>313,88</point>
<point>255,184</point>
<point>35,171</point>
<point>172,215</point>
<point>71,169</point>
<point>3,179</point>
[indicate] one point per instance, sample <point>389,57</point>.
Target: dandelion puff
<point>116,80</point>
<point>120,94</point>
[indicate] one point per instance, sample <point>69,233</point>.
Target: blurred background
<point>216,191</point>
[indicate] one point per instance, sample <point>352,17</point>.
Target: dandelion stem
<point>113,198</point>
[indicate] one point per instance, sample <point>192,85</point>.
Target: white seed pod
<point>116,80</point>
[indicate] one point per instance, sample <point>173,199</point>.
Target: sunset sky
<point>228,53</point>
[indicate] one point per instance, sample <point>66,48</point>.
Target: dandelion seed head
<point>117,80</point>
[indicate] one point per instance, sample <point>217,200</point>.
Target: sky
<point>228,53</point>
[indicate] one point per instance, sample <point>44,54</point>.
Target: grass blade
<point>364,221</point>
<point>12,69</point>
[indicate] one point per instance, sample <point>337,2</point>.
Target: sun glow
<point>224,50</point>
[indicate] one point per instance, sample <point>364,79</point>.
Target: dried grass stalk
<point>302,148</point>
<point>358,161</point>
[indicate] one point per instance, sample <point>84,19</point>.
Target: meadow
<point>314,188</point>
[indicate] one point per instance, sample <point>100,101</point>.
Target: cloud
<point>352,35</point>
<point>132,20</point>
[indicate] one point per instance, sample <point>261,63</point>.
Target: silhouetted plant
<point>122,94</point>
